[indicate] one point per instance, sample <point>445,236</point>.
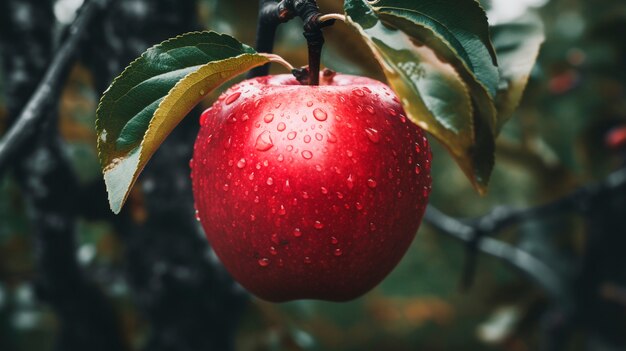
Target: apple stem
<point>273,13</point>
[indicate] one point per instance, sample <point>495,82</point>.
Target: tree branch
<point>474,231</point>
<point>26,124</point>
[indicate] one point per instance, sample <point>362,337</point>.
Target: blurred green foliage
<point>554,142</point>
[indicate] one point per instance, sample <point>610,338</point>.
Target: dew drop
<point>280,158</point>
<point>225,186</point>
<point>305,195</point>
<point>370,109</point>
<point>337,252</point>
<point>273,251</point>
<point>334,240</point>
<point>318,168</point>
<point>324,190</point>
<point>270,181</point>
<point>371,183</point>
<point>229,100</point>
<point>307,139</point>
<point>331,138</point>
<point>291,135</point>
<point>241,163</point>
<point>264,262</point>
<point>392,112</point>
<point>281,126</point>
<point>275,239</point>
<point>320,114</point>
<point>307,259</point>
<point>263,141</point>
<point>372,226</point>
<point>309,103</point>
<point>245,117</point>
<point>268,118</point>
<point>350,181</point>
<point>297,233</point>
<point>282,211</point>
<point>318,225</point>
<point>358,92</point>
<point>418,149</point>
<point>227,143</point>
<point>197,216</point>
<point>358,205</point>
<point>339,195</point>
<point>417,169</point>
<point>307,155</point>
<point>372,135</point>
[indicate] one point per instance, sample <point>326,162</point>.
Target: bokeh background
<point>74,277</point>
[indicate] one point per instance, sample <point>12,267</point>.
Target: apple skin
<point>310,192</point>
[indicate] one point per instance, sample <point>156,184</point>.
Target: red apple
<point>310,191</point>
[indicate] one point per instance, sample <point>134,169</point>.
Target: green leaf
<point>458,30</point>
<point>144,104</point>
<point>433,93</point>
<point>517,44</point>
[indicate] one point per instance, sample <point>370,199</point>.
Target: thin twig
<point>500,218</point>
<point>28,120</point>
<point>521,260</point>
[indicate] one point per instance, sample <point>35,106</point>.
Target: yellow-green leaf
<point>144,104</point>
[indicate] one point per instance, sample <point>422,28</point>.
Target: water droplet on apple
<point>245,117</point>
<point>282,211</point>
<point>324,190</point>
<point>334,240</point>
<point>263,141</point>
<point>318,225</point>
<point>275,239</point>
<point>264,262</point>
<point>307,139</point>
<point>291,135</point>
<point>319,136</point>
<point>270,181</point>
<point>371,183</point>
<point>307,259</point>
<point>227,143</point>
<point>372,226</point>
<point>309,103</point>
<point>392,112</point>
<point>339,195</point>
<point>297,233</point>
<point>268,118</point>
<point>318,168</point>
<point>197,216</point>
<point>370,109</point>
<point>358,92</point>
<point>280,158</point>
<point>241,163</point>
<point>225,186</point>
<point>372,135</point>
<point>337,252</point>
<point>281,126</point>
<point>273,251</point>
<point>229,100</point>
<point>417,169</point>
<point>320,114</point>
<point>358,205</point>
<point>331,137</point>
<point>350,182</point>
<point>307,155</point>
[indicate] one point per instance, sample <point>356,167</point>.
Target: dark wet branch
<point>476,232</point>
<point>29,118</point>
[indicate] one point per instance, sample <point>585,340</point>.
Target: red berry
<point>310,191</point>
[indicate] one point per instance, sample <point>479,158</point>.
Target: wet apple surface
<point>310,191</point>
